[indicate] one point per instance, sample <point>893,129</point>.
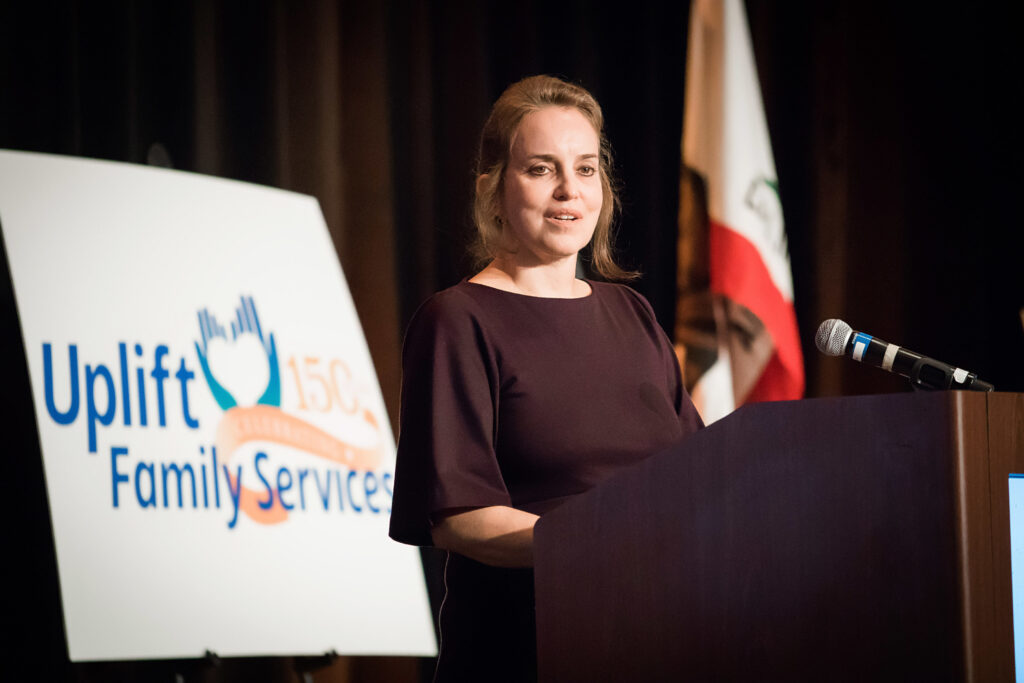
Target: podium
<point>849,539</point>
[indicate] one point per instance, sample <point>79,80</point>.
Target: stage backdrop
<point>217,455</point>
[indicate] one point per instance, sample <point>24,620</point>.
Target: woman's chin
<point>564,246</point>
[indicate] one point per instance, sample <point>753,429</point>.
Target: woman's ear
<point>481,181</point>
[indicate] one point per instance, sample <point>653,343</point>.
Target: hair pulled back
<point>519,99</point>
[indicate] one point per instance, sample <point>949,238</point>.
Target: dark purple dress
<point>523,401</point>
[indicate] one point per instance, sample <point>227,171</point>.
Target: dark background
<point>896,144</point>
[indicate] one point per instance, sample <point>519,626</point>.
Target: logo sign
<point>218,461</point>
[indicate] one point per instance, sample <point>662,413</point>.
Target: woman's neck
<point>556,281</point>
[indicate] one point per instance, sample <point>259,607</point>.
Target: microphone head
<point>832,336</point>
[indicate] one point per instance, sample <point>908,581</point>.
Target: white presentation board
<point>217,455</point>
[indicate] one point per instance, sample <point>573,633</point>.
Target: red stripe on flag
<point>738,272</point>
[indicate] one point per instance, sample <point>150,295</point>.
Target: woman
<point>525,385</point>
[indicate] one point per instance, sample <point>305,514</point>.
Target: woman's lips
<point>565,215</point>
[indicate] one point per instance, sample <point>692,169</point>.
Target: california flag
<point>736,329</point>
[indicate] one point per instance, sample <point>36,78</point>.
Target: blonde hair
<point>519,99</point>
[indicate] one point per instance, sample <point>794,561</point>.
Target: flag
<point>736,329</point>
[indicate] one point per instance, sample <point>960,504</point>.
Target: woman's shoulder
<point>445,312</point>
<point>623,295</point>
<point>455,302</point>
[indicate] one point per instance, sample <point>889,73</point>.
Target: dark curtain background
<point>895,139</point>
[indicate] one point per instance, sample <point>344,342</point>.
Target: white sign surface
<point>217,455</point>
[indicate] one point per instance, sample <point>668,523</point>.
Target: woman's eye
<point>587,170</point>
<point>539,170</point>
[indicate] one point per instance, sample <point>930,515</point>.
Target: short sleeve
<point>447,424</point>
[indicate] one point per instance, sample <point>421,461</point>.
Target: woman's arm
<point>495,535</point>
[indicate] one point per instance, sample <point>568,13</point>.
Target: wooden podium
<point>851,539</point>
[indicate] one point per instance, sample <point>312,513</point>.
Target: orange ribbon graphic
<point>269,423</point>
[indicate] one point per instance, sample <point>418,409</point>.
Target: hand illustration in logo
<point>234,371</point>
<point>245,328</point>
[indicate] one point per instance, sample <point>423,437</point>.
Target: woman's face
<point>552,194</point>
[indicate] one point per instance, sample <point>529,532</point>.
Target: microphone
<point>836,338</point>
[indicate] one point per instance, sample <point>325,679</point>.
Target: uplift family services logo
<point>265,462</point>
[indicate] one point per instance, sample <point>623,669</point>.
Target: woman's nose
<point>567,188</point>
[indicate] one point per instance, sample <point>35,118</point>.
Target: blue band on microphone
<point>860,344</point>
